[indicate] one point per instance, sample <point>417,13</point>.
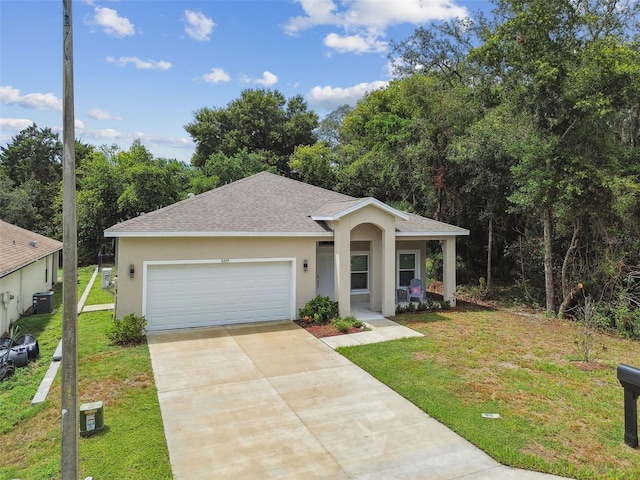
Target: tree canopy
<point>261,122</point>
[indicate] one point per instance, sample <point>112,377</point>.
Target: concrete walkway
<point>272,401</point>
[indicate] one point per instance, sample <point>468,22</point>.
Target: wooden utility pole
<point>70,424</point>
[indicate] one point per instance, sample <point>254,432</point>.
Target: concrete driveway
<point>272,401</point>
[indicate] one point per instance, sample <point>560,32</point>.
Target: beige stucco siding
<point>135,251</point>
<point>376,226</point>
<point>36,277</point>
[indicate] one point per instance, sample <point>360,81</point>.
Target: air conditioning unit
<point>107,279</point>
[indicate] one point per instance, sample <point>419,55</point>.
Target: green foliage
<point>345,324</point>
<point>236,167</point>
<point>319,310</point>
<point>261,121</point>
<point>129,330</point>
<point>314,164</point>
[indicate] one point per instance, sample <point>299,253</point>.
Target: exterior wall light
<point>305,264</point>
<point>132,270</point>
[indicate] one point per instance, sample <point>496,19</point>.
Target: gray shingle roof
<point>264,204</point>
<point>20,247</point>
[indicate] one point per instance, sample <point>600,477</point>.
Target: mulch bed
<point>321,331</point>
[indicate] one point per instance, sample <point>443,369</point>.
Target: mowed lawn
<point>557,414</point>
<point>131,444</point>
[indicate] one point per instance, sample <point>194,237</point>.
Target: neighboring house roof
<point>20,247</point>
<point>262,204</point>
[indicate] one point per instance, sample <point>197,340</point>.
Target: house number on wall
<point>224,260</point>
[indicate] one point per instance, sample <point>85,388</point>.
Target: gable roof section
<point>264,204</point>
<point>20,247</point>
<point>336,210</point>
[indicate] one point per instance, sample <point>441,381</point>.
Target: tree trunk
<point>489,252</point>
<point>548,263</point>
<point>568,293</point>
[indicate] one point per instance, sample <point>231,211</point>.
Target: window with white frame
<point>408,266</point>
<point>360,272</point>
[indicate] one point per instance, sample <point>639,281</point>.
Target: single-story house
<point>260,248</point>
<point>28,265</point>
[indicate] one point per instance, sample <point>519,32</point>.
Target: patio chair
<point>416,290</point>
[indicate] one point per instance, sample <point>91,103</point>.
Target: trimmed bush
<point>320,310</point>
<point>129,330</point>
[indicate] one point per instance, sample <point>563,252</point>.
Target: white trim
<point>416,267</point>
<point>363,203</point>
<point>215,234</point>
<point>462,231</point>
<point>361,290</point>
<point>267,234</point>
<point>147,263</point>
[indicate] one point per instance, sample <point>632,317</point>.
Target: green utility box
<point>91,418</point>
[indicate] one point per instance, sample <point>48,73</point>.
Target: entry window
<point>360,271</point>
<point>407,268</point>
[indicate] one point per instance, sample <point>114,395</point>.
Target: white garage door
<point>204,294</point>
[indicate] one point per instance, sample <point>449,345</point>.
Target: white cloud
<point>355,43</point>
<point>330,98</point>
<point>99,114</point>
<point>364,21</point>
<point>78,124</point>
<point>110,135</point>
<point>267,79</point>
<point>216,75</point>
<point>376,14</point>
<point>199,26</point>
<point>15,124</point>
<point>38,101</point>
<point>140,64</point>
<point>111,23</point>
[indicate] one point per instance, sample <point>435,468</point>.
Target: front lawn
<point>132,443</point>
<point>558,414</point>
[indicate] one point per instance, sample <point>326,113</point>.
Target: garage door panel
<point>191,295</point>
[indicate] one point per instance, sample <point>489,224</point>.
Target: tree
<point>260,121</point>
<point>329,129</point>
<point>396,142</point>
<point>116,185</point>
<point>314,164</point>
<point>15,205</point>
<point>556,61</point>
<point>228,169</point>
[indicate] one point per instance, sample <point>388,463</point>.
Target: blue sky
<point>141,68</point>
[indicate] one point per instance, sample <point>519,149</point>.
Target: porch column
<point>388,271</point>
<point>449,270</point>
<point>342,262</point>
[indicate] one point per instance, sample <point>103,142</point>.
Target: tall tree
<point>568,66</point>
<point>261,121</point>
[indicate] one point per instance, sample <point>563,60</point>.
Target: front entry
<point>325,272</point>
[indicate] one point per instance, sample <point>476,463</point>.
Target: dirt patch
<point>321,331</point>
<point>590,366</point>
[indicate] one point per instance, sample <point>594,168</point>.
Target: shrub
<point>344,324</point>
<point>319,310</point>
<point>129,330</point>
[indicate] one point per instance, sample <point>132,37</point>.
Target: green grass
<point>558,415</point>
<point>132,443</point>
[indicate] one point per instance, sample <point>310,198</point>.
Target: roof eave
<point>457,233</point>
<point>108,234</point>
